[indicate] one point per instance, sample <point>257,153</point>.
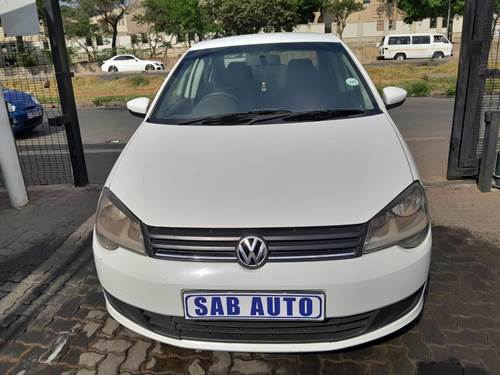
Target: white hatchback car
<point>267,203</point>
<point>130,63</point>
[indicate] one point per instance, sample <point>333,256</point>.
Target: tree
<point>110,12</point>
<point>340,10</point>
<point>306,9</point>
<point>417,10</point>
<point>187,20</point>
<point>78,28</point>
<point>234,17</point>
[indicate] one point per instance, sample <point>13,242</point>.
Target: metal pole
<point>450,37</point>
<point>63,75</point>
<point>9,161</point>
<point>489,156</point>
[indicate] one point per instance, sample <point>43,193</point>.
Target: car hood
<point>280,175</point>
<point>151,61</point>
<point>20,99</point>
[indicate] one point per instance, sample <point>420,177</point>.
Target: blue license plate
<point>254,305</point>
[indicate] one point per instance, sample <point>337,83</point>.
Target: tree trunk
<point>340,28</point>
<point>20,44</point>
<point>114,37</point>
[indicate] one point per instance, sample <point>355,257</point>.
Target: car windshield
<point>265,83</point>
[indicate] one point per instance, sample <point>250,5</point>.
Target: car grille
<point>284,244</point>
<point>332,329</point>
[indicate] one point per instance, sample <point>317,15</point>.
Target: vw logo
<point>252,252</point>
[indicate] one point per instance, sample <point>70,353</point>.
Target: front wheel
<point>112,68</point>
<point>150,67</point>
<point>438,55</point>
<point>400,56</point>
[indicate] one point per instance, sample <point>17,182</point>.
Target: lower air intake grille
<point>332,329</point>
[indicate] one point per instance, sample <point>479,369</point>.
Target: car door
<point>130,63</point>
<point>440,43</point>
<point>421,46</point>
<point>119,62</point>
<point>398,44</point>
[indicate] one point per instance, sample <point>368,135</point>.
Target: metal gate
<point>32,80</point>
<point>478,87</point>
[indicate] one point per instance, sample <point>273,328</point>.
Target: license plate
<point>34,113</point>
<point>254,305</point>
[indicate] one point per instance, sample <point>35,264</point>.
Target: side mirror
<point>138,106</point>
<point>393,96</point>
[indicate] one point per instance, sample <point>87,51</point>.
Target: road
<point>425,124</point>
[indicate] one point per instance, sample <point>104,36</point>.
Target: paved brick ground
<point>29,235</point>
<point>459,333</point>
<point>54,321</point>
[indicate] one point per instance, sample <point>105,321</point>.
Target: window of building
<point>443,22</point>
<point>392,25</point>
<point>399,40</point>
<point>421,39</point>
<point>98,40</point>
<point>144,38</point>
<point>366,2</point>
<point>380,25</point>
<point>434,22</point>
<point>88,41</point>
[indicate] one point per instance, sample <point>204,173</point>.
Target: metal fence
<point>36,84</point>
<point>478,87</point>
<point>30,88</point>
<point>490,71</point>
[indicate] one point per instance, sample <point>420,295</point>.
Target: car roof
<point>265,38</point>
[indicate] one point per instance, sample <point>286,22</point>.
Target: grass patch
<point>419,80</point>
<point>114,100</point>
<point>418,88</point>
<point>451,90</point>
<point>138,80</point>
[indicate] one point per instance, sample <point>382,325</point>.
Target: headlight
<point>35,100</point>
<point>404,222</point>
<point>116,225</point>
<point>11,107</point>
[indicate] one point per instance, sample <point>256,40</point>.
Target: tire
<point>150,67</point>
<point>438,55</point>
<point>400,56</point>
<point>112,68</point>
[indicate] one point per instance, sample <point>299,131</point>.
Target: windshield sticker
<point>352,81</point>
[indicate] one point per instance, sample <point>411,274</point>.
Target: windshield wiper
<point>234,118</point>
<point>323,114</point>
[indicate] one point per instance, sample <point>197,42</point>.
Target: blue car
<point>25,111</point>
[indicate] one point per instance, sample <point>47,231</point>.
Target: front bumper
<point>21,124</point>
<point>352,286</point>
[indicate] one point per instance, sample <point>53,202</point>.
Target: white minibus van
<point>414,46</point>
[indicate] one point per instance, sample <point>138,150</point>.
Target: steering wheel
<point>219,102</point>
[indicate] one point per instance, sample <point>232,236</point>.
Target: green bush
<point>138,80</point>
<point>103,100</point>
<point>103,55</point>
<point>28,59</point>
<point>418,88</point>
<point>451,90</point>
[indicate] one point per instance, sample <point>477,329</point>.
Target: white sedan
<point>267,203</point>
<point>130,63</point>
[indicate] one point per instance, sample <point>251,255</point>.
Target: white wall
<point>310,28</point>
